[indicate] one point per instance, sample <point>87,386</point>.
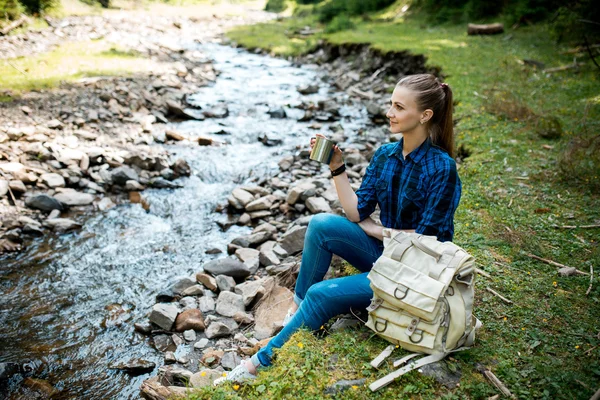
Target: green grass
<point>68,63</point>
<point>515,189</point>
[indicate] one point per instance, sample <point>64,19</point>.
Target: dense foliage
<point>10,9</point>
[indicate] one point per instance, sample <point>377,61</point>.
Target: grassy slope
<point>544,343</point>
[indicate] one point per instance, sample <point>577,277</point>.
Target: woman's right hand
<point>337,160</point>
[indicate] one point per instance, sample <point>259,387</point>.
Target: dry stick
<point>483,273</point>
<point>596,395</point>
<point>492,291</point>
<point>14,25</point>
<point>591,280</point>
<point>497,382</point>
<point>590,350</point>
<point>559,265</point>
<point>577,226</point>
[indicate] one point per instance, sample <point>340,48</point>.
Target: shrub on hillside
<point>330,10</point>
<point>275,6</point>
<point>340,23</point>
<point>10,9</point>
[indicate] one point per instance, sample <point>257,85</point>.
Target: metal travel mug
<point>322,151</point>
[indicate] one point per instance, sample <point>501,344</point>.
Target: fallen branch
<point>562,68</point>
<point>576,226</point>
<point>492,291</point>
<point>483,273</point>
<point>489,29</point>
<point>590,350</point>
<point>14,25</point>
<point>596,395</point>
<point>591,280</point>
<point>497,382</point>
<point>545,260</point>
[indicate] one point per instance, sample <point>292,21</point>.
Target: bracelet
<point>339,170</point>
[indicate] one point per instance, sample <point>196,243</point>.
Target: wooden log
<point>488,29</point>
<point>14,25</point>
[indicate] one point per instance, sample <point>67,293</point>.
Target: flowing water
<point>68,303</point>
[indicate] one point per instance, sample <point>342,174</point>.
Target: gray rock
<point>251,291</point>
<point>263,203</point>
<point>163,342</point>
<point>122,174</point>
<point>343,385</point>
<point>61,224</point>
<point>268,257</point>
<point>227,266</point>
<point>54,124</point>
<point>225,283</point>
<point>286,163</point>
<point>17,186</point>
<point>162,183</point>
<point>296,192</point>
<point>183,284</point>
<point>53,180</point>
<point>317,205</point>
<point>293,240</point>
<point>252,240</point>
<point>202,343</point>
<point>135,366</point>
<point>189,335</point>
<point>280,269</point>
<point>3,187</point>
<point>188,303</point>
<point>245,254</point>
<point>230,360</point>
<point>221,328</point>
<point>72,198</point>
<point>441,372</point>
<point>229,303</point>
<point>239,198</point>
<point>196,290</point>
<point>133,186</point>
<point>170,358</point>
<point>206,304</point>
<point>43,202</point>
<point>164,315</point>
<point>308,89</point>
<point>206,377</point>
<point>277,112</point>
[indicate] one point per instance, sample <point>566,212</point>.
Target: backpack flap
<point>407,288</point>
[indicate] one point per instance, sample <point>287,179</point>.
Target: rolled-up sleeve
<point>442,200</point>
<point>367,196</point>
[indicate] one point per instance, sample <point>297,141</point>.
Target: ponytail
<point>445,138</point>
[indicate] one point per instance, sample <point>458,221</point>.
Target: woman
<point>416,186</point>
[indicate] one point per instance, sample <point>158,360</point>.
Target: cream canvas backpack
<point>423,299</point>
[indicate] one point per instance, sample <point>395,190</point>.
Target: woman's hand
<point>371,228</point>
<point>337,160</point>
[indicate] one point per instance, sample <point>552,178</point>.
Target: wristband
<point>339,170</point>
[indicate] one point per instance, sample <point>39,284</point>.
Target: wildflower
<point>203,373</point>
<point>522,329</point>
<point>224,374</point>
<point>505,318</point>
<point>301,345</point>
<point>322,327</point>
<point>577,346</point>
<point>545,320</point>
<point>555,284</point>
<point>236,387</point>
<point>356,387</point>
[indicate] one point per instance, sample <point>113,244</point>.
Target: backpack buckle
<point>419,338</point>
<point>403,292</point>
<point>375,303</point>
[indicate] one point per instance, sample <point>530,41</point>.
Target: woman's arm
<point>375,230</point>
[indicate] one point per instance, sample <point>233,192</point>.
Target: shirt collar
<point>416,155</point>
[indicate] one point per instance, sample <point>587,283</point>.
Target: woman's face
<point>403,113</point>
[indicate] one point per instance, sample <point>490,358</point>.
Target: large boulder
<point>252,291</point>
<point>221,328</point>
<point>164,315</point>
<point>263,203</point>
<point>317,205</point>
<point>227,266</point>
<point>53,180</point>
<point>271,312</point>
<point>121,175</point>
<point>239,198</point>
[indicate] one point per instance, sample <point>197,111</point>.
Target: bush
<point>276,6</point>
<point>38,6</point>
<point>334,8</point>
<point>340,23</point>
<point>10,9</point>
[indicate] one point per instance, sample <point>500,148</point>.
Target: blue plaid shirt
<point>420,192</point>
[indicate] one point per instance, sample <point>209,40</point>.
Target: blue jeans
<point>319,300</point>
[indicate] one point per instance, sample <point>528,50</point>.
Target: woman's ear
<point>426,116</point>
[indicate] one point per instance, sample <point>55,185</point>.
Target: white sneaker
<point>239,374</point>
<point>288,317</point>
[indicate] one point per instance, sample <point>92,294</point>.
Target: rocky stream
<point>151,226</point>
